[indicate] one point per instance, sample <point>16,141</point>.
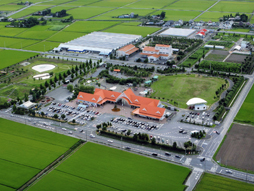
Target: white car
<point>110,141</point>
<point>229,171</point>
<point>70,132</point>
<point>64,129</point>
<point>91,135</point>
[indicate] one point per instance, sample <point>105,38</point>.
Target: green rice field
<point>11,7</point>
<point>132,30</point>
<point>89,26</point>
<point>234,6</point>
<point>26,150</point>
<point>176,15</point>
<point>10,57</point>
<point>43,46</point>
<point>97,167</point>
<point>29,11</point>
<point>218,183</point>
<point>15,42</point>
<point>65,36</point>
<point>11,32</point>
<point>246,112</point>
<point>40,35</point>
<point>112,3</point>
<point>181,88</point>
<point>151,4</point>
<point>196,5</point>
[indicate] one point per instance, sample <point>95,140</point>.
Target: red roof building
<point>126,50</point>
<point>145,107</point>
<point>160,51</point>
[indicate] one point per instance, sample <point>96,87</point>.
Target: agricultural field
<point>29,11</point>
<point>52,3</point>
<point>10,7</point>
<point>2,2</point>
<point>246,112</point>
<point>196,5</point>
<point>131,23</point>
<point>236,58</point>
<point>217,55</point>
<point>176,15</point>
<point>112,3</point>
<point>112,15</point>
<point>211,16</point>
<point>40,35</point>
<point>89,26</point>
<point>97,167</point>
<point>220,66</point>
<point>16,42</point>
<point>78,3</point>
<point>32,150</point>
<point>65,36</point>
<point>16,90</point>
<point>43,46</point>
<point>151,4</point>
<point>11,32</point>
<point>181,88</point>
<point>87,12</point>
<point>218,183</point>
<point>8,58</point>
<point>233,6</point>
<point>236,149</point>
<point>132,30</point>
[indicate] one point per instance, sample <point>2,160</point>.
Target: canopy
<point>195,101</point>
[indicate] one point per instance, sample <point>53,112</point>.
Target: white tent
<point>113,88</point>
<point>195,101</point>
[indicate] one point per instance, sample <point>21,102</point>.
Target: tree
<point>128,132</point>
<point>73,121</point>
<point>26,97</point>
<point>174,145</point>
<point>55,116</point>
<point>163,14</point>
<point>42,114</point>
<point>14,107</point>
<point>63,116</point>
<point>153,141</point>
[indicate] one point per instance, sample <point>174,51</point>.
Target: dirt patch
<point>237,149</point>
<point>236,58</point>
<point>220,52</point>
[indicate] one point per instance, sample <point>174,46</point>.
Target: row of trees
<point>198,135</point>
<point>26,23</point>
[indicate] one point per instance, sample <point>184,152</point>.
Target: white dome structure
<point>197,104</point>
<point>196,100</point>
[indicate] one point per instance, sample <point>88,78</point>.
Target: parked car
<point>168,154</point>
<point>177,156</point>
<point>203,159</point>
<point>229,171</point>
<point>155,154</point>
<point>110,141</point>
<point>91,135</point>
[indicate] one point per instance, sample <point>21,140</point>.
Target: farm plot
<point>220,66</point>
<point>32,150</point>
<point>233,6</point>
<point>10,7</point>
<point>87,12</point>
<point>11,31</point>
<point>181,88</point>
<point>79,3</point>
<point>89,26</point>
<point>236,58</point>
<point>211,16</point>
<point>43,46</point>
<point>29,11</point>
<point>132,30</point>
<point>246,112</point>
<point>10,57</point>
<point>176,15</point>
<point>65,36</point>
<point>40,35</point>
<point>2,2</point>
<point>236,149</point>
<point>151,4</point>
<point>218,183</point>
<point>15,42</point>
<point>196,5</point>
<point>217,55</point>
<point>112,15</point>
<point>112,3</point>
<point>97,167</point>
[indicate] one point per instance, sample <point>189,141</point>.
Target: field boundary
<point>50,166</point>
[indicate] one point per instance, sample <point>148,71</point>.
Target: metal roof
<point>195,101</point>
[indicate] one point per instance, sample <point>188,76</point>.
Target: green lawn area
<point>87,12</point>
<point>181,88</point>
<point>234,6</point>
<point>29,11</point>
<point>26,150</point>
<point>10,7</point>
<point>112,3</point>
<point>10,57</point>
<point>216,57</point>
<point>246,112</point>
<point>43,46</point>
<point>219,183</point>
<point>89,26</point>
<point>151,4</point>
<point>97,167</point>
<point>132,30</point>
<point>195,5</point>
<point>176,15</point>
<point>65,36</point>
<point>15,42</point>
<point>123,11</point>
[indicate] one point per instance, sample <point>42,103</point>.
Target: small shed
<point>155,78</point>
<point>117,70</point>
<point>148,82</point>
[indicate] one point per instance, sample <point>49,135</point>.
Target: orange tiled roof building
<point>160,51</point>
<point>143,107</point>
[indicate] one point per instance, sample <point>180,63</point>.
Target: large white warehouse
<point>98,42</point>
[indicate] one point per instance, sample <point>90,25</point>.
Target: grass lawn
<point>123,11</point>
<point>10,57</point>
<point>89,26</point>
<point>15,42</point>
<point>65,36</point>
<point>10,7</point>
<point>246,112</point>
<point>97,167</point>
<point>181,88</point>
<point>43,46</point>
<point>112,3</point>
<point>176,15</point>
<point>87,12</point>
<point>26,150</point>
<point>152,4</point>
<point>233,6</point>
<point>132,30</point>
<point>216,57</point>
<point>195,5</point>
<point>218,183</point>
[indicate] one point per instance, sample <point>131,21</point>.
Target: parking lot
<point>198,118</point>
